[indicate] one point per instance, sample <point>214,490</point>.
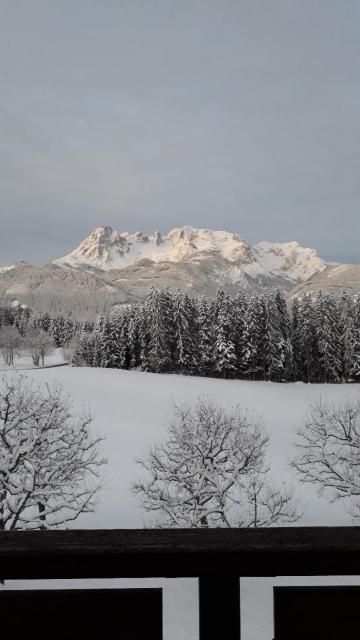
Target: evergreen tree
<point>346,321</point>
<point>84,351</point>
<point>109,343</point>
<point>134,337</point>
<point>355,370</point>
<point>98,340</point>
<point>254,326</point>
<point>285,330</point>
<point>144,338</point>
<point>186,357</point>
<point>160,330</point>
<point>273,343</point>
<point>225,360</point>
<point>328,338</point>
<point>239,308</point>
<point>21,319</point>
<point>295,338</point>
<point>307,340</point>
<point>69,329</point>
<point>206,337</point>
<point>123,320</point>
<point>58,330</point>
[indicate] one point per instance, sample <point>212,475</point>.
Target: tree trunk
<point>41,508</point>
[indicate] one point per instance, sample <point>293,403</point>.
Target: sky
<point>241,115</point>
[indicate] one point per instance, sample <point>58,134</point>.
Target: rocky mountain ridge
<point>111,267</point>
<point>105,249</point>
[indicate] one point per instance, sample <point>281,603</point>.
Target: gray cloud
<point>240,115</point>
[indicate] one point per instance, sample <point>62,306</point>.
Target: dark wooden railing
<point>218,557</point>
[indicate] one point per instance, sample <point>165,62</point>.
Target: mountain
<point>333,280</point>
<point>223,255</point>
<point>110,267</point>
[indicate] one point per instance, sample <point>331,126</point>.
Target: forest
<point>252,337</point>
<point>256,337</point>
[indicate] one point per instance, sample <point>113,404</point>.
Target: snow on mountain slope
<point>299,263</point>
<point>72,291</point>
<point>111,267</point>
<point>7,267</point>
<point>106,249</point>
<point>334,280</point>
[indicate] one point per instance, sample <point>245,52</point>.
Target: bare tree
<point>211,472</point>
<point>10,342</point>
<point>38,344</point>
<point>329,451</point>
<point>50,463</point>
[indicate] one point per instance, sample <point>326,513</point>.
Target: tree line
<point>256,337</point>
<point>22,331</point>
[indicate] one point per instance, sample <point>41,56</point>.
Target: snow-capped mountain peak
<point>299,263</point>
<point>226,254</point>
<point>107,249</point>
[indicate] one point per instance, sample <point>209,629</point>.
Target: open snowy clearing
<point>131,409</point>
<point>24,362</point>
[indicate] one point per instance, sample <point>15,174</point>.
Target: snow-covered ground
<point>23,361</point>
<point>131,409</point>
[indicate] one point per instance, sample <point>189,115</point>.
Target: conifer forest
<point>256,337</point>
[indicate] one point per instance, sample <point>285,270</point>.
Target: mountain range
<point>111,267</point>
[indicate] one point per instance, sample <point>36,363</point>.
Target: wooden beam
<point>180,553</point>
<point>219,607</point>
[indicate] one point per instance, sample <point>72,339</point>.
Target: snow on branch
<point>211,472</point>
<point>50,463</point>
<point>329,451</point>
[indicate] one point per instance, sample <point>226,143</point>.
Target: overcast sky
<point>148,114</point>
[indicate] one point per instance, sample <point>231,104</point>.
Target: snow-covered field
<point>23,361</point>
<point>131,409</point>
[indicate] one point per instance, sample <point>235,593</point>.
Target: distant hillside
<point>334,280</point>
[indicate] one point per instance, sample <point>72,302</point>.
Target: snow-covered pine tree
<point>239,308</point>
<point>98,340</point>
<point>159,329</point>
<point>355,370</point>
<point>254,326</point>
<point>206,336</point>
<point>307,340</point>
<point>69,331</point>
<point>134,337</point>
<point>274,345</point>
<point>285,328</point>
<point>328,338</point>
<point>186,355</point>
<point>225,361</point>
<point>109,343</point>
<point>84,350</point>
<point>123,319</point>
<point>144,337</point>
<point>346,321</point>
<point>295,339</point>
<point>58,330</point>
<point>21,320</point>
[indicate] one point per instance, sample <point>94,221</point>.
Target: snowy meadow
<point>131,410</point>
